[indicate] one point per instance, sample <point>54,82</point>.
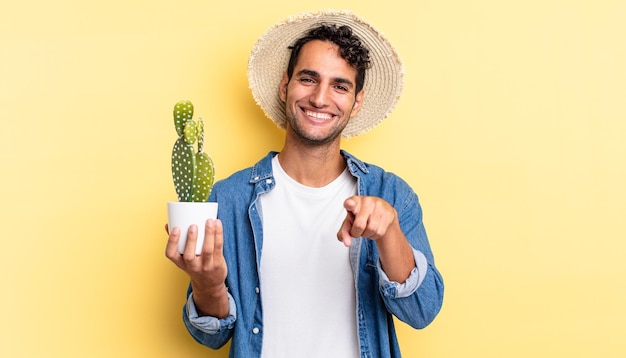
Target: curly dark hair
<point>351,48</point>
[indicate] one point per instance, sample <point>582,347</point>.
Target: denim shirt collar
<point>262,171</point>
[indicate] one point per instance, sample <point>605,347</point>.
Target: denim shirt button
<point>268,181</point>
<point>255,330</point>
<point>257,290</point>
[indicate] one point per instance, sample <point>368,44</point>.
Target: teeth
<point>318,115</point>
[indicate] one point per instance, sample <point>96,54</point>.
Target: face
<point>320,97</point>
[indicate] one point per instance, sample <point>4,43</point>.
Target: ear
<point>282,89</point>
<point>358,103</point>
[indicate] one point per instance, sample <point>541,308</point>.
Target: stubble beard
<point>314,141</point>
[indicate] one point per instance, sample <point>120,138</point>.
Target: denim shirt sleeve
<point>418,300</point>
<point>208,324</point>
<point>393,289</point>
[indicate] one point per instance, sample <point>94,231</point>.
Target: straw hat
<point>270,55</point>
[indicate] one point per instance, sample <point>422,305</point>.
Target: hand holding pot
<point>207,271</point>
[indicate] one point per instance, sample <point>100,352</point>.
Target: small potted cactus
<point>193,173</point>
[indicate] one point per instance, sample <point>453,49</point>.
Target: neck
<point>312,166</point>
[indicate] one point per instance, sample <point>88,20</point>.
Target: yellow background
<point>511,128</point>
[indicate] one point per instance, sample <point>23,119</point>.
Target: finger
<point>359,225</point>
<point>189,253</point>
<point>171,250</point>
<point>343,234</point>
<point>381,218</point>
<point>219,239</point>
<point>347,240</point>
<point>208,247</point>
<point>209,233</point>
<point>167,228</point>
<point>371,230</point>
<point>351,204</point>
<point>212,250</point>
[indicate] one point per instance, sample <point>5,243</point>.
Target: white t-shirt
<point>307,286</point>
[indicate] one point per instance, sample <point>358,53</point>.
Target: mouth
<point>318,116</point>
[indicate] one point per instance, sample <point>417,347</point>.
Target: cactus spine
<point>192,170</point>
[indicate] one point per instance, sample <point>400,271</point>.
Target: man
<point>272,274</point>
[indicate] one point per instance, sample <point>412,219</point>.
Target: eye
<point>306,80</point>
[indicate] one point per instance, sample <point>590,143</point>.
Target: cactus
<point>193,171</point>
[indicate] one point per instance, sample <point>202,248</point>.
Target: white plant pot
<point>184,214</point>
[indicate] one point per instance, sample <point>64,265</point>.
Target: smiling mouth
<point>318,115</point>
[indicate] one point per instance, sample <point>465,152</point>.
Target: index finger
<point>171,250</point>
<point>351,204</point>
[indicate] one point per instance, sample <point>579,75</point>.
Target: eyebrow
<point>316,74</point>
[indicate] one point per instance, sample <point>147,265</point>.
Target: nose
<point>319,96</point>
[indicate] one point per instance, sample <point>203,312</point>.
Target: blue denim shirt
<point>416,302</point>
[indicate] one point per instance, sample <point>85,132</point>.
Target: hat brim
<point>270,56</point>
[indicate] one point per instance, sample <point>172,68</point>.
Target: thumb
<point>344,231</point>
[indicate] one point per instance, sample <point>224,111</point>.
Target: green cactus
<point>193,171</point>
